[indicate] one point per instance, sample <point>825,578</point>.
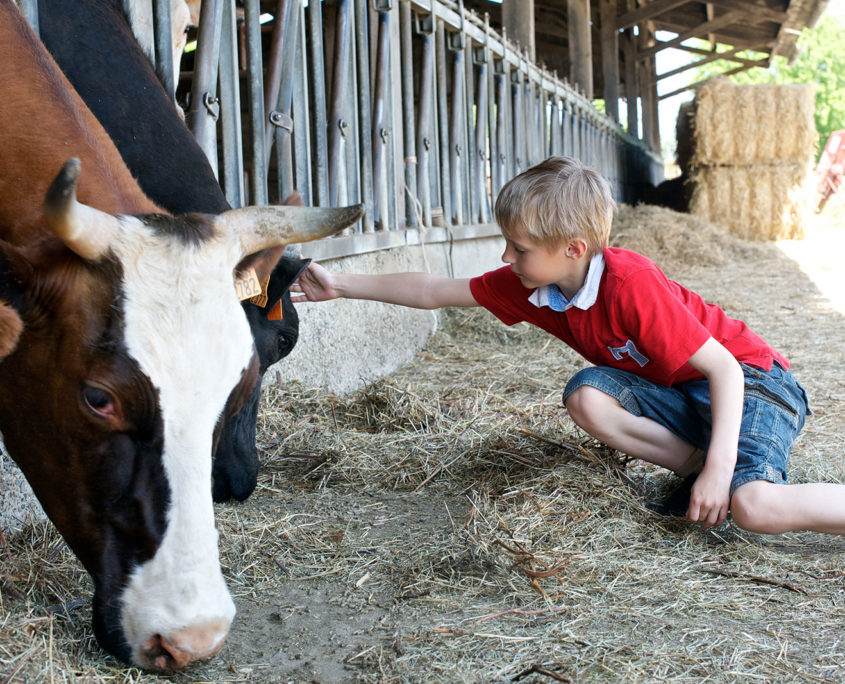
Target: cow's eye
<point>98,400</point>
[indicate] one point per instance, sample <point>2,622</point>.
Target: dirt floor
<point>450,523</point>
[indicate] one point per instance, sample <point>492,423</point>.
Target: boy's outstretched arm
<point>710,497</point>
<point>417,290</point>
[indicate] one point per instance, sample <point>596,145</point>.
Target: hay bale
<point>744,124</point>
<point>754,202</point>
<point>752,148</point>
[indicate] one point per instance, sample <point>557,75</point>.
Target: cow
<point>123,345</point>
<point>92,41</point>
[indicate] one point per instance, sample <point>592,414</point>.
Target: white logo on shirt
<point>631,350</point>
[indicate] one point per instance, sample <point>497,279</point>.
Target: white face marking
<point>187,331</point>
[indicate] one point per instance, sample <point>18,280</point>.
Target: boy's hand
<point>315,284</point>
<point>710,498</point>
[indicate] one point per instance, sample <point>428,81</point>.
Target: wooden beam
<point>697,32</point>
<point>609,57</point>
<point>632,88</point>
<point>518,20</point>
<point>711,57</point>
<point>765,46</point>
<point>580,46</point>
<point>760,12</point>
<point>649,11</point>
<point>739,69</point>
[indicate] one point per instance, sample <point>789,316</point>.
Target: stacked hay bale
<point>752,153</point>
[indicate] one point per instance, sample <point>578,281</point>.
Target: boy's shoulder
<point>622,263</point>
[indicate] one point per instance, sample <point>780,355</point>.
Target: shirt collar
<point>552,297</point>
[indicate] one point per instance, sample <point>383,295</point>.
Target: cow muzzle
<point>183,647</point>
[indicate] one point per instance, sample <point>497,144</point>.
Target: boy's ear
<point>576,248</point>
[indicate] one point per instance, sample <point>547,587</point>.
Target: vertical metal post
<point>255,94</point>
<point>274,69</point>
<point>364,112</point>
<point>443,124</point>
<point>279,95</point>
<point>425,29</point>
<point>319,107</point>
<point>204,108</point>
<point>29,9</point>
<point>480,58</point>
<point>337,121</point>
<point>303,111</point>
<point>163,42</point>
<point>456,46</point>
<point>380,126</point>
<point>409,145</point>
<point>230,110</point>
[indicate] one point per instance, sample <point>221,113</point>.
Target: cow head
<point>236,464</point>
<point>119,355</point>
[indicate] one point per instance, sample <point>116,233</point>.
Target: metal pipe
<point>443,123</point>
<point>409,146</point>
<point>425,29</point>
<point>318,114</point>
<point>163,45</point>
<point>337,121</point>
<point>230,110</point>
<point>204,106</point>
<point>364,112</point>
<point>380,130</point>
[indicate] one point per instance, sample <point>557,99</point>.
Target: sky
<point>670,59</point>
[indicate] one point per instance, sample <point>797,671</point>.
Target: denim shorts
<point>773,414</point>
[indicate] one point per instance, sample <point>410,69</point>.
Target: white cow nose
<point>183,647</point>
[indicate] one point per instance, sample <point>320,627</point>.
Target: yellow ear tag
<point>260,300</point>
<point>247,285</point>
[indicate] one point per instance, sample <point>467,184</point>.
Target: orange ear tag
<point>247,285</point>
<point>276,313</point>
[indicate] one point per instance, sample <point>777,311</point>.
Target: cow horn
<point>268,226</point>
<point>83,229</point>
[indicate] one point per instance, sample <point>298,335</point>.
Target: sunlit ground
<point>821,254</point>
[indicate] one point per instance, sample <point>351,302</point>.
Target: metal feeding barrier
<point>417,108</point>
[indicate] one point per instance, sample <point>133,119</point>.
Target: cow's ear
<point>11,327</point>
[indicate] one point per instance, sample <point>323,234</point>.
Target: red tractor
<point>830,170</point>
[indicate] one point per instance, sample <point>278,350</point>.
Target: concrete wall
<point>343,344</point>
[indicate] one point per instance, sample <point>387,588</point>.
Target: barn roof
<point>769,27</point>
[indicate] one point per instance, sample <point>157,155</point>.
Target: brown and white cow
<point>121,342</point>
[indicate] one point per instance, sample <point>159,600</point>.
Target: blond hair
<point>555,201</point>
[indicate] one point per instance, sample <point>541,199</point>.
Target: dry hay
<point>753,124</point>
<point>754,202</point>
<point>750,149</point>
<point>450,524</point>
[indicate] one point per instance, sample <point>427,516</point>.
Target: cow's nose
<point>175,651</point>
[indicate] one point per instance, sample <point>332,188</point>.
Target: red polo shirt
<point>641,321</point>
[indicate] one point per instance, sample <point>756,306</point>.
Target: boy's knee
<point>586,405</point>
<point>754,509</point>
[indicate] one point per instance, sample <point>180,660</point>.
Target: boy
<point>676,382</point>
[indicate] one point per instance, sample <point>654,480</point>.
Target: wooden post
<point>632,89</point>
<point>518,20</point>
<point>610,57</point>
<point>580,45</point>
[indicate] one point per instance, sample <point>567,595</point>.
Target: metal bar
<point>380,130</point>
<point>280,125</point>
<point>232,168</point>
<point>443,123</point>
<point>337,121</point>
<point>203,111</point>
<point>318,113</point>
<point>409,144</point>
<point>364,112</point>
<point>29,9</point>
<point>163,42</point>
<point>304,111</point>
<point>274,69</point>
<point>480,151</point>
<point>255,95</point>
<point>456,128</point>
<point>425,29</point>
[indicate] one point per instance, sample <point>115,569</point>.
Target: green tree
<point>821,61</point>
